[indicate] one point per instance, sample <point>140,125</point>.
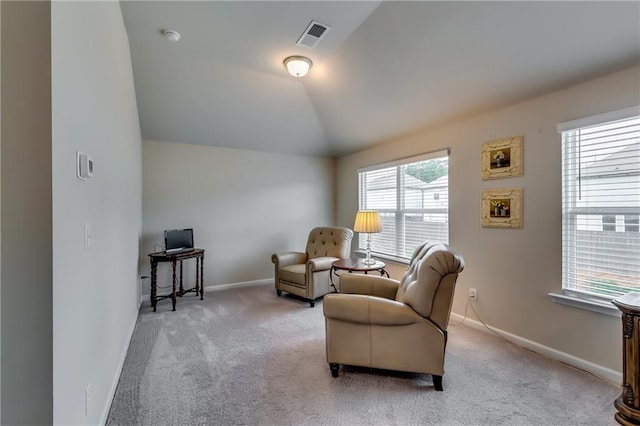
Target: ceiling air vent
<point>312,35</point>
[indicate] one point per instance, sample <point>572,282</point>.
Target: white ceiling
<point>383,70</point>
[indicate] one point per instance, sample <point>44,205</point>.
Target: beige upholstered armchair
<point>307,274</point>
<point>382,323</point>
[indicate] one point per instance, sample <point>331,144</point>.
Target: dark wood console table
<point>355,264</point>
<point>628,404</point>
<point>174,258</point>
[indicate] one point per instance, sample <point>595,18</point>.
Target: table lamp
<point>368,221</point>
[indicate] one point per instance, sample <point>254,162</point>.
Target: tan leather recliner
<point>382,323</point>
<point>307,274</point>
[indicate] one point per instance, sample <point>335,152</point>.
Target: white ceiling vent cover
<point>312,35</point>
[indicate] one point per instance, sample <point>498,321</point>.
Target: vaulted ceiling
<point>383,70</point>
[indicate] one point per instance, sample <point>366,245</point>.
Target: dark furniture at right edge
<point>628,404</point>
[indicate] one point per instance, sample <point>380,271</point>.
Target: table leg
<point>332,271</point>
<point>154,283</point>
<point>173,293</point>
<point>197,275</point>
<point>202,277</point>
<point>181,288</point>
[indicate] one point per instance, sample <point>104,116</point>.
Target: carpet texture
<point>244,356</point>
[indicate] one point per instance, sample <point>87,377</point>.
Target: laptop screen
<point>178,238</point>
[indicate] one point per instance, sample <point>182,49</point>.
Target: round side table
<point>357,265</point>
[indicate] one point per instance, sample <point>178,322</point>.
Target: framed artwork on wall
<point>502,158</point>
<point>501,208</point>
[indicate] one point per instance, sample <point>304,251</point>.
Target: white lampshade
<point>298,66</point>
<point>367,221</point>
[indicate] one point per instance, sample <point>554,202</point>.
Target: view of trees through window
<point>428,171</point>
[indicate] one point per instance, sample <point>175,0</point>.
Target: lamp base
<point>369,260</point>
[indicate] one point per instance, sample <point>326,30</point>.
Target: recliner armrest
<point>369,310</point>
<point>288,258</point>
<point>321,263</point>
<point>371,285</point>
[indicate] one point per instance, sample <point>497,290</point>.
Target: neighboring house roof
<point>623,162</point>
<point>441,182</point>
<point>387,180</point>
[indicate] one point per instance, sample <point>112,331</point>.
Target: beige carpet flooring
<point>244,356</point>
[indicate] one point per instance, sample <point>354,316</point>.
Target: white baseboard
<point>240,284</point>
<point>116,379</point>
<point>613,376</point>
<point>222,287</point>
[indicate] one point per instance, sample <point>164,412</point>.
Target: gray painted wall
<point>513,270</point>
<point>26,369</point>
<point>95,290</point>
<point>242,205</point>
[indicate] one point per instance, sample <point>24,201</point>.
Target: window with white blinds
<point>601,205</point>
<point>412,197</point>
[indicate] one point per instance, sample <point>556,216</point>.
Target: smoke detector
<point>312,35</point>
<point>171,35</point>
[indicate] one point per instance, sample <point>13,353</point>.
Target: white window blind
<point>412,196</point>
<point>601,204</point>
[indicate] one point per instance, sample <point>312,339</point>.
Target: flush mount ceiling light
<point>171,35</point>
<point>298,66</point>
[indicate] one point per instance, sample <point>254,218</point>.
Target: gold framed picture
<point>501,208</point>
<point>502,158</point>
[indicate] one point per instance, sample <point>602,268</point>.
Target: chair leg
<point>278,292</point>
<point>437,383</point>
<point>334,369</point>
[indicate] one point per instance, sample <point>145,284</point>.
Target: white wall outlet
<point>87,399</point>
<point>84,166</point>
<point>473,294</point>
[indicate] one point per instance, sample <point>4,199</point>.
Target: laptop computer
<point>178,240</point>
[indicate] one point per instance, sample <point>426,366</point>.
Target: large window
<point>600,205</point>
<point>412,196</point>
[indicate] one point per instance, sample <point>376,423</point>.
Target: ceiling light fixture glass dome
<point>298,66</point>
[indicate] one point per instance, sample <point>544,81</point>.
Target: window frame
<point>608,223</point>
<point>631,223</point>
<point>571,296</point>
<point>399,212</point>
